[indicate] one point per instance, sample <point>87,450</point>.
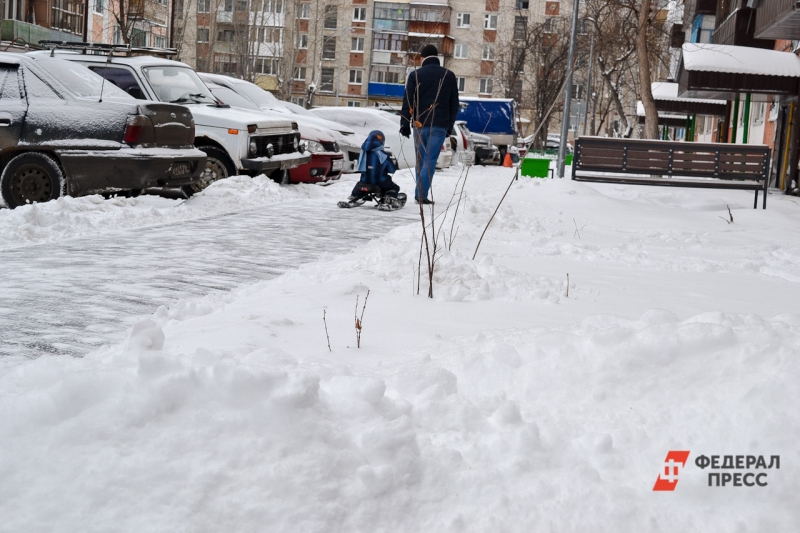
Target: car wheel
<point>31,177</point>
<point>218,167</point>
<point>282,177</point>
<point>477,160</point>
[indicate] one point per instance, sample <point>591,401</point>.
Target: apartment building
<point>26,22</point>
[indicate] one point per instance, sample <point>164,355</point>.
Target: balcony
<point>738,29</point>
<point>32,33</point>
<point>677,36</point>
<point>778,19</point>
<point>444,43</point>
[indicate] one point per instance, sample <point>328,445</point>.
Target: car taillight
<point>465,140</point>
<point>139,130</point>
<point>191,133</point>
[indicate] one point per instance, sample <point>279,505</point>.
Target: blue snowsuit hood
<point>373,163</point>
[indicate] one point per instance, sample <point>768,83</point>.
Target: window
<point>326,80</point>
<point>518,60</point>
<point>485,86</point>
<point>268,65</point>
<point>461,51</point>
<point>273,6</point>
<point>299,100</point>
<point>353,103</point>
<point>356,77</point>
<point>487,54</point>
<point>203,6</point>
<point>357,44</point>
<point>270,35</point>
<point>98,6</point>
<point>304,11</point>
<point>226,36</point>
<point>490,22</point>
<point>523,4</point>
<point>520,28</point>
<point>360,14</point>
<point>759,111</point>
<point>202,35</point>
<point>393,42</point>
<point>138,37</point>
<point>67,15</point>
<point>9,84</point>
<point>329,48</point>
<point>331,15</point>
<point>461,83</point>
<point>302,40</point>
<point>462,20</point>
<point>381,74</point>
<point>36,88</point>
<point>300,73</point>
<point>159,41</point>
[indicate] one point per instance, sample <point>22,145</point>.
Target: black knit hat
<point>428,50</point>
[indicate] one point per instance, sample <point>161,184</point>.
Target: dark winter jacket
<point>431,98</point>
<point>375,165</point>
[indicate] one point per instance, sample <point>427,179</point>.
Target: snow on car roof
<point>141,61</point>
<point>702,57</point>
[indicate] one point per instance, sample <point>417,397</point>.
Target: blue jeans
<point>428,144</point>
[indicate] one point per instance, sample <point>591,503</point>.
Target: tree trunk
<point>642,49</point>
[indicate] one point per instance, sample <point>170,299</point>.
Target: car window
<point>35,88</point>
<point>79,80</point>
<point>226,96</point>
<point>9,83</point>
<point>179,85</point>
<point>258,95</point>
<point>121,77</point>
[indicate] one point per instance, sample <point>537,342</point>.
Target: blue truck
<point>493,117</point>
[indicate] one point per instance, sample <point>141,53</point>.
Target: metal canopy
<point>668,101</point>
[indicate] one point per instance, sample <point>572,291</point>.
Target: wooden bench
<point>672,164</point>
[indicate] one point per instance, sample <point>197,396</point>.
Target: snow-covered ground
<point>502,404</point>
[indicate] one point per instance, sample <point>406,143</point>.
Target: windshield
<point>294,108</point>
<point>81,81</point>
<point>258,95</point>
<point>226,96</point>
<point>178,85</point>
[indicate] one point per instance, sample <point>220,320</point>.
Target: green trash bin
<point>537,163</point>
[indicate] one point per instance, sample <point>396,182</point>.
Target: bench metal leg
<point>765,195</point>
<point>755,202</point>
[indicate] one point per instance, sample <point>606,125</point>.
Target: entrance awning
<point>668,101</point>
<point>664,118</point>
<point>725,72</point>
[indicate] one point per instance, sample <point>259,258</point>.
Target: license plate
<point>338,164</point>
<point>181,169</point>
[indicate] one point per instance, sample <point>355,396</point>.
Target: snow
<point>504,403</point>
<point>705,57</point>
<point>663,90</point>
<point>69,217</point>
<point>640,112</point>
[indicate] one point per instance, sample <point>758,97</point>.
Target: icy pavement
<point>69,298</point>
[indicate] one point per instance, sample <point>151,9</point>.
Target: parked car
<point>326,160</point>
<point>347,139</point>
<point>465,147</point>
<point>236,141</point>
<point>364,120</point>
<point>485,150</point>
<point>64,132</point>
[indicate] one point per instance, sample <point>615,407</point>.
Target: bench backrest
<point>638,156</point>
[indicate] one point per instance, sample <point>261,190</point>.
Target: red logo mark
<point>668,478</point>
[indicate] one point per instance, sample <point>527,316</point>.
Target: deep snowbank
<point>501,404</point>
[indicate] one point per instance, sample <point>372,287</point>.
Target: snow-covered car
<point>485,150</point>
<point>326,160</point>
<point>236,141</point>
<point>64,132</point>
<point>348,141</point>
<point>364,120</point>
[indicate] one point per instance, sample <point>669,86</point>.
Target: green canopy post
<point>746,128</point>
<point>735,124</point>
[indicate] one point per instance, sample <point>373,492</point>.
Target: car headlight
<point>253,147</point>
<point>314,147</point>
<point>296,142</point>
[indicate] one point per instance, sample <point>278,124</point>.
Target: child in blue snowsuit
<point>376,168</point>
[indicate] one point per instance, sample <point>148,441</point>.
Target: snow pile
<point>535,428</point>
<point>502,404</point>
<point>70,217</point>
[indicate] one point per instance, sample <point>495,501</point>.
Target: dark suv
<point>64,131</point>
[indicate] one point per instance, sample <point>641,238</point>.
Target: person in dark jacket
<point>430,105</point>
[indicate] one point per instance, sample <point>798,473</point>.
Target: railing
<point>33,33</point>
<point>777,19</point>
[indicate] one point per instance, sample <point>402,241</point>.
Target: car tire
<point>281,177</point>
<point>31,177</point>
<point>477,159</point>
<point>218,167</point>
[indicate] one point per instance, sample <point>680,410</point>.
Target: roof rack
<point>124,50</point>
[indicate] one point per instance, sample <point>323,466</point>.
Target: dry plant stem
<point>360,320</point>
<point>495,212</point>
<point>578,233</point>
<point>567,285</point>
<point>460,196</point>
<point>729,213</point>
<point>324,321</point>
